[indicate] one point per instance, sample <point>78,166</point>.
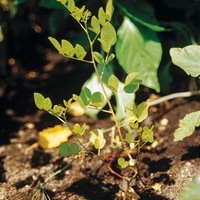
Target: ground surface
<point>165,167</point>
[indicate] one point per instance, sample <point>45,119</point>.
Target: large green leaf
<point>187,126</point>
<point>140,11</point>
<point>138,50</point>
<point>187,58</point>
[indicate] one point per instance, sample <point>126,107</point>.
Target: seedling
<point>99,29</point>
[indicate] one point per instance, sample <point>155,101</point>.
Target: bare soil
<point>165,167</point>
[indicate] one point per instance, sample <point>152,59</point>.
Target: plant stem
<point>173,96</point>
<point>59,171</point>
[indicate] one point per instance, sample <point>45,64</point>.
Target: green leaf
<point>142,111</point>
<point>94,86</point>
<point>57,110</point>
<point>47,104</point>
<point>68,150</point>
<point>64,149</point>
<point>109,9</point>
<point>55,43</point>
<point>97,99</point>
<point>113,83</point>
<point>79,100</point>
<point>80,52</point>
<point>187,126</point>
<point>147,134</point>
<point>138,50</point>
<point>187,58</point>
<point>102,16</point>
<point>71,5</point>
<point>132,84</point>
<point>39,99</point>
<point>78,129</point>
<point>74,148</point>
<point>85,96</point>
<point>110,58</point>
<point>95,26</point>
<point>98,57</point>
<point>191,191</point>
<point>129,137</point>
<point>122,162</point>
<point>67,47</point>
<point>141,12</point>
<point>108,36</point>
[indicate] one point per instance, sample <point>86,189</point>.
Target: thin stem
<point>173,96</point>
<point>59,171</point>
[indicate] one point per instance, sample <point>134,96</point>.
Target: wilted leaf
<point>187,58</point>
<point>187,126</point>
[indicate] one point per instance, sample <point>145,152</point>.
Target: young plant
<point>99,29</point>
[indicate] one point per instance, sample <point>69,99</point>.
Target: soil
<point>165,167</point>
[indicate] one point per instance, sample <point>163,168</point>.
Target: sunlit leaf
<point>187,126</point>
<point>55,43</point>
<point>113,83</point>
<point>80,52</point>
<point>97,99</point>
<point>95,26</point>
<point>98,57</point>
<point>67,47</point>
<point>107,36</point>
<point>122,162</point>
<point>142,111</point>
<point>71,5</point>
<point>78,129</point>
<point>110,58</point>
<point>39,99</point>
<point>109,9</point>
<point>147,134</point>
<point>102,16</point>
<point>47,104</point>
<point>129,137</point>
<point>138,50</point>
<point>187,58</point>
<point>85,96</point>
